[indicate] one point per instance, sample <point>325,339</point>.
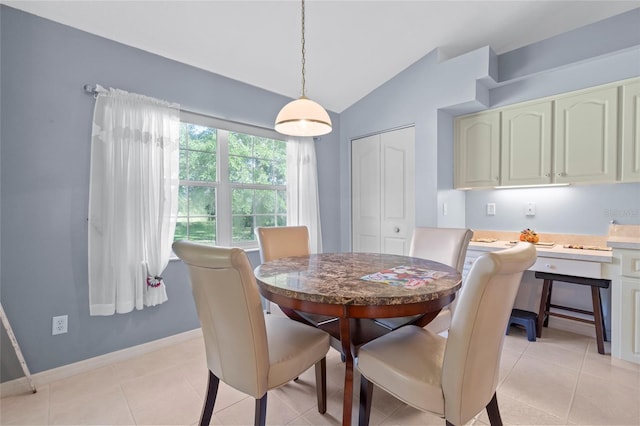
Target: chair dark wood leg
<point>494,412</point>
<point>448,423</point>
<point>321,385</point>
<point>366,394</point>
<point>260,417</point>
<point>210,399</point>
<point>598,318</point>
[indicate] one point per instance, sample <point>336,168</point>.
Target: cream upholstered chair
<point>454,377</point>
<point>282,241</point>
<point>246,350</point>
<point>444,245</point>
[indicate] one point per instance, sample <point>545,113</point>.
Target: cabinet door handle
<point>563,174</point>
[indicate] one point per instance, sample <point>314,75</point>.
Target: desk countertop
<point>557,251</point>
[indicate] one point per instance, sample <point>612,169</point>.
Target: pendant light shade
<point>303,117</point>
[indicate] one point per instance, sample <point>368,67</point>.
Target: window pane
<point>183,200</point>
<point>282,220</point>
<point>202,229</point>
<point>196,214</point>
<point>256,160</point>
<point>282,202</point>
<point>242,228</point>
<point>242,201</point>
<point>241,169</point>
<point>202,201</point>
<point>263,172</point>
<point>240,144</point>
<point>184,167</point>
<point>201,138</point>
<point>202,166</point>
<point>279,176</point>
<point>263,148</point>
<point>265,221</point>
<point>183,135</point>
<point>265,202</point>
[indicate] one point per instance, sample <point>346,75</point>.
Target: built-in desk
<point>555,259</point>
<point>562,261</point>
<point>621,265</point>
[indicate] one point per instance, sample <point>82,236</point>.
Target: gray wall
<point>44,159</point>
<point>45,132</point>
<point>431,93</point>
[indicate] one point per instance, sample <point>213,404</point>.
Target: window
<point>232,179</point>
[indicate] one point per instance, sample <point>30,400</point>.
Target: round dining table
<point>343,294</point>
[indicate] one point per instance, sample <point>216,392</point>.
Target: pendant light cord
<point>303,52</point>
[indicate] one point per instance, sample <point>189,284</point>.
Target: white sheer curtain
<point>303,207</point>
<point>133,200</point>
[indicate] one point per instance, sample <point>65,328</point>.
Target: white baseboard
<point>21,385</point>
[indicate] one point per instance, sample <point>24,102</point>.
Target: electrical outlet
<point>59,325</point>
<point>530,209</point>
<point>491,209</point>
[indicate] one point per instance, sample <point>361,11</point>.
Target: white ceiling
<point>352,47</point>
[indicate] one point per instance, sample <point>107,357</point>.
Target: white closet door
<point>383,192</point>
<point>365,187</point>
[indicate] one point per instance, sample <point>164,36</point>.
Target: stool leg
<point>544,300</point>
<point>597,318</point>
<point>548,307</point>
<point>531,331</point>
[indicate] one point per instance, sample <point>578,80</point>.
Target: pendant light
<point>303,117</point>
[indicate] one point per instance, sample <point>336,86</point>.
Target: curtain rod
<point>93,90</point>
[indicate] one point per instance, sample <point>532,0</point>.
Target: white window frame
<point>224,221</point>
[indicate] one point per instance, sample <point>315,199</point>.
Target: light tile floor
<point>560,379</point>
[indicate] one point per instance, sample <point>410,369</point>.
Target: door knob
<point>396,229</point>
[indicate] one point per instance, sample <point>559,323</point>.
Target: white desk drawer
<point>577,268</point>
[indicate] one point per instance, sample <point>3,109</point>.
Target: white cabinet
<point>526,145</point>
<point>625,306</point>
<point>477,150</point>
<point>586,136</point>
<point>630,158</point>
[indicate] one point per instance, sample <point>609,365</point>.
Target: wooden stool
<point>545,303</point>
<point>526,319</point>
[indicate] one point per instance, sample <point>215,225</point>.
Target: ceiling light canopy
<point>303,117</point>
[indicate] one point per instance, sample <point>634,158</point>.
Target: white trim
<point>20,385</point>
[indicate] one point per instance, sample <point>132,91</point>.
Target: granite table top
<point>335,278</point>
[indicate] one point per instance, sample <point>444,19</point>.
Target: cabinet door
<point>526,145</point>
<point>477,150</point>
<point>586,131</point>
<point>631,132</point>
<point>630,319</point>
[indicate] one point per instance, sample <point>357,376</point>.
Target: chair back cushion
<point>444,245</point>
<point>474,344</point>
<point>230,311</point>
<point>282,241</point>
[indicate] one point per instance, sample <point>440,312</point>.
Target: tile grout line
<point>575,387</point>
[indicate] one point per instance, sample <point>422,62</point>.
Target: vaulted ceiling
<point>352,47</point>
